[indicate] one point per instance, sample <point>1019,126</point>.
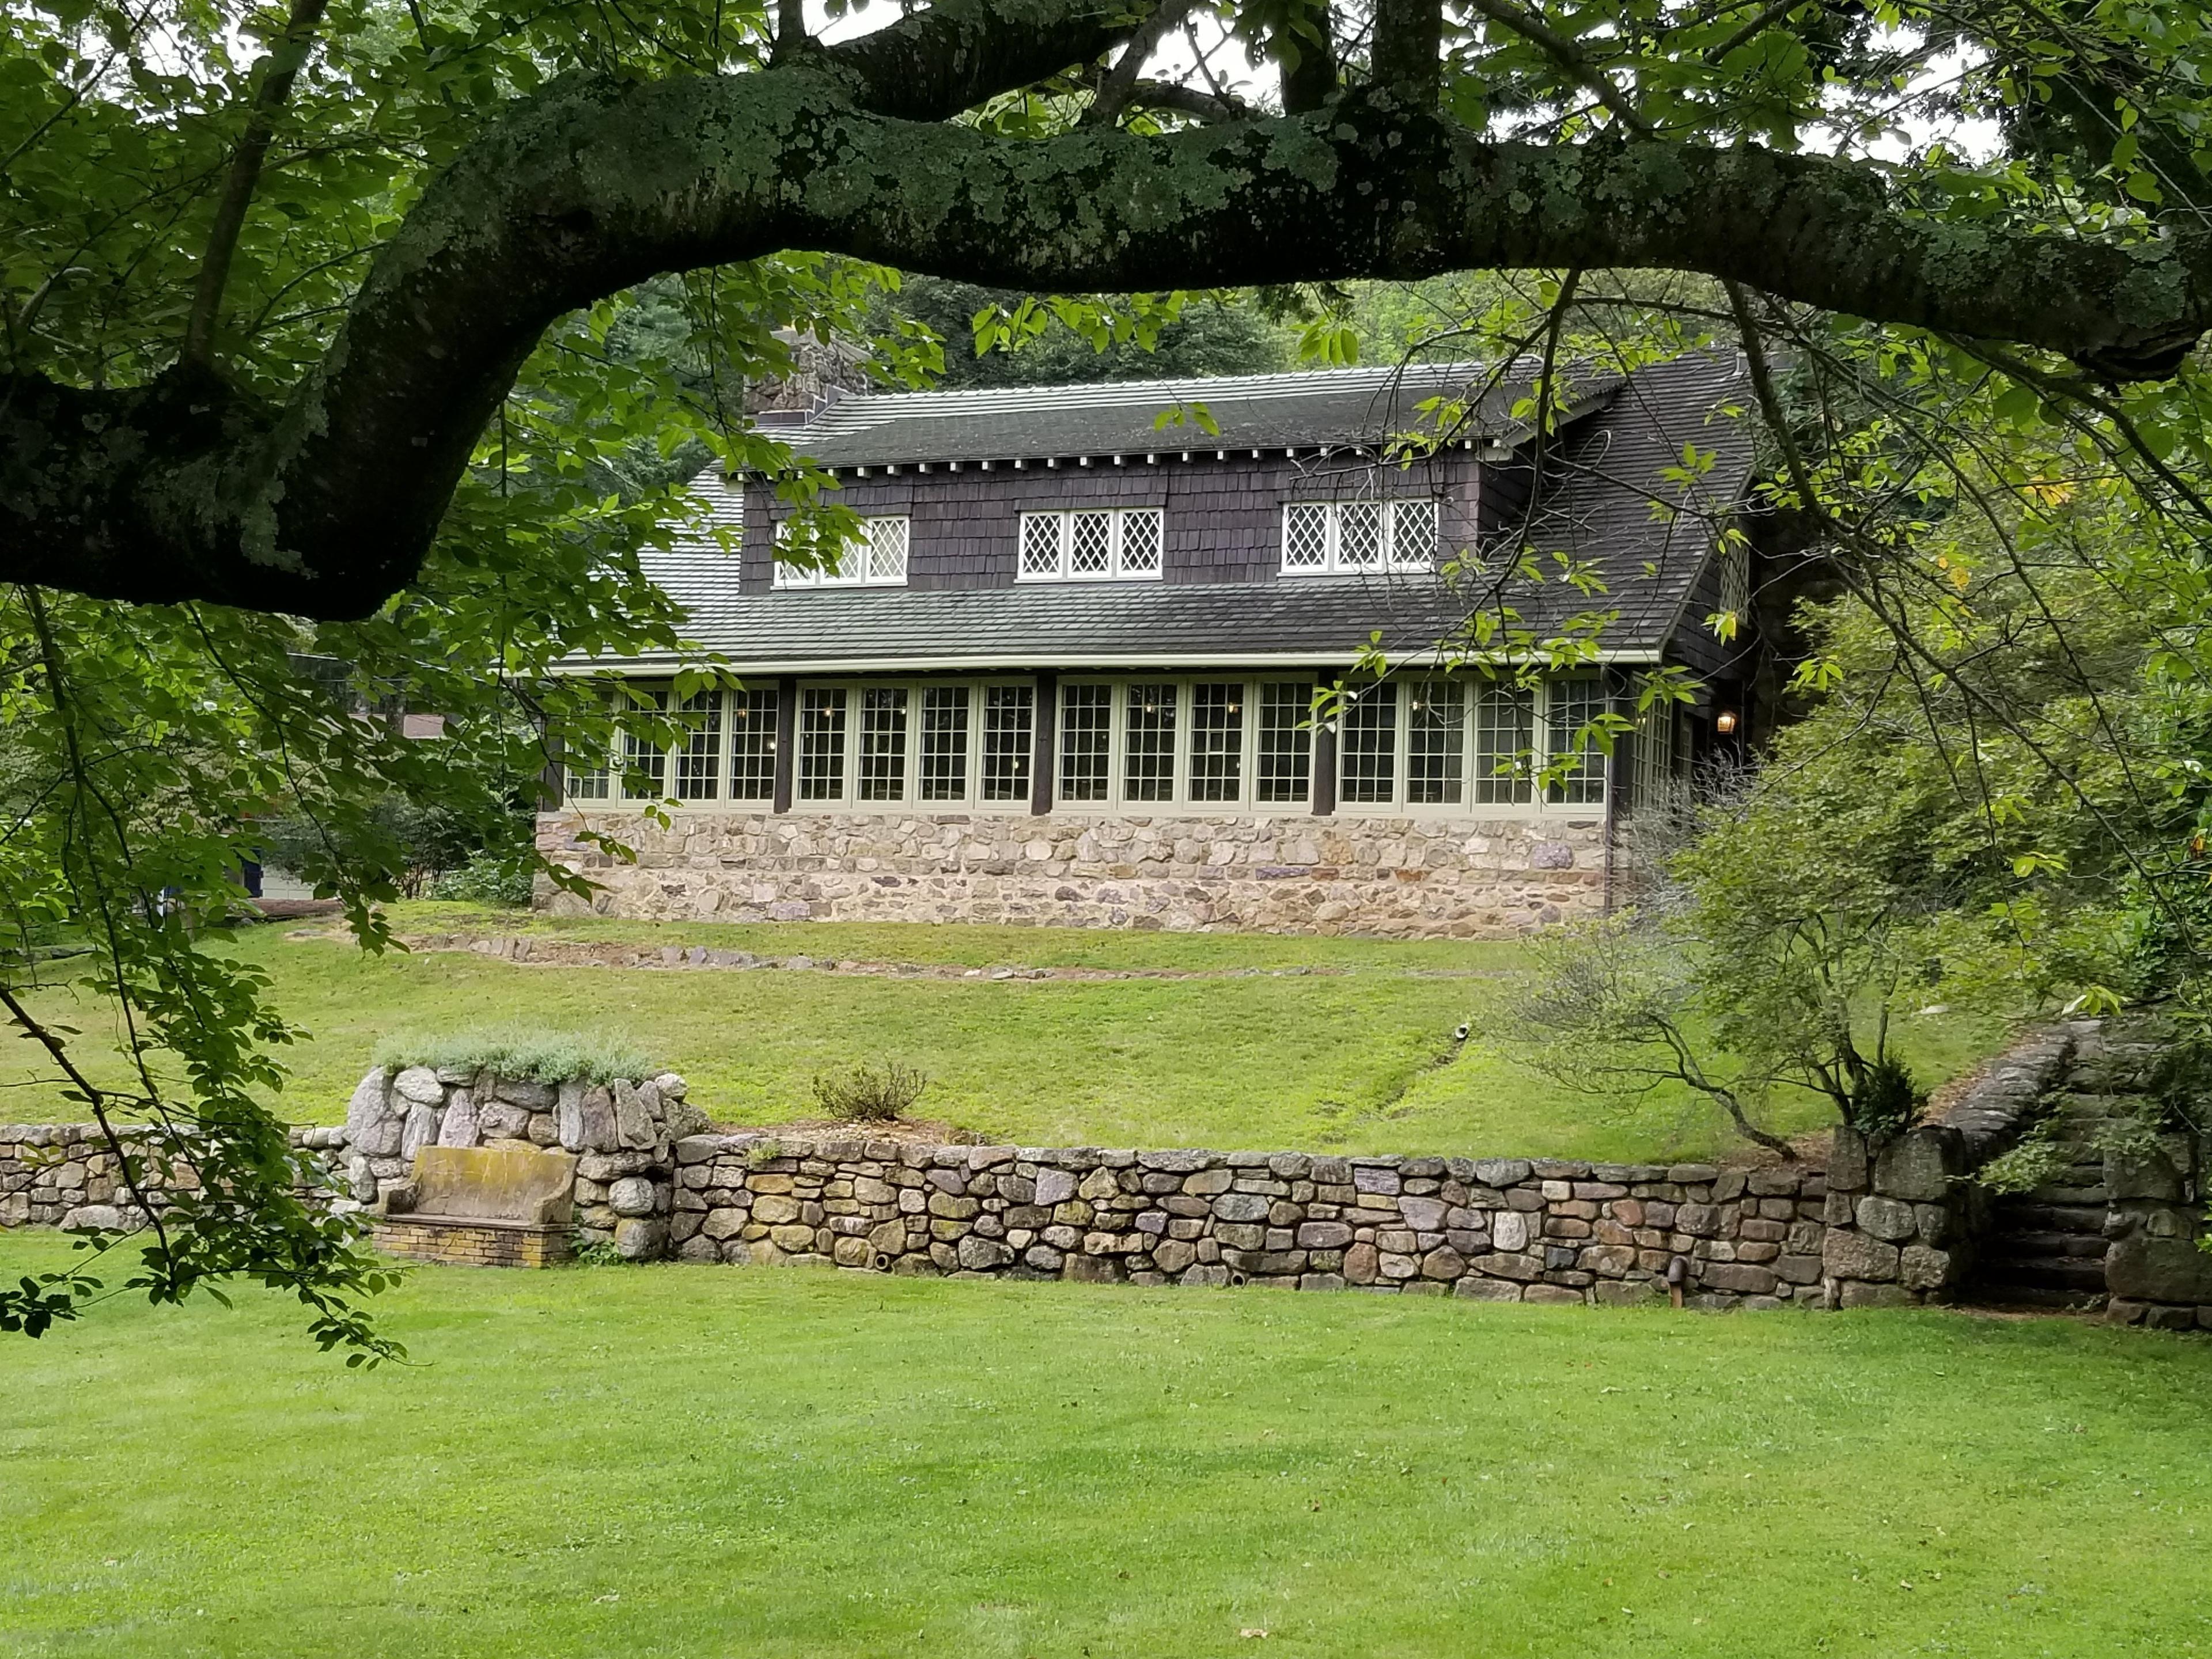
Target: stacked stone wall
<point>1497,1230</point>
<point>1395,877</point>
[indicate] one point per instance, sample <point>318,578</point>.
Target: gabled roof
<point>1348,408</point>
<point>1618,500</point>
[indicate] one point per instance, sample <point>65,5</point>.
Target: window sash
<point>1361,536</point>
<point>698,756</point>
<point>883,744</point>
<point>1504,741</point>
<point>1148,767</point>
<point>821,743</point>
<point>1217,741</point>
<point>876,557</point>
<point>1008,723</point>
<point>1569,705</point>
<point>752,744</point>
<point>1283,775</point>
<point>1086,742</point>
<point>1367,748</point>
<point>941,765</point>
<point>1097,543</point>
<point>640,756</point>
<point>1436,743</point>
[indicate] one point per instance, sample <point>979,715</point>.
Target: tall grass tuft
<point>529,1052</point>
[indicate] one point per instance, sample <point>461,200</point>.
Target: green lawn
<point>1358,1059</point>
<point>700,1462</point>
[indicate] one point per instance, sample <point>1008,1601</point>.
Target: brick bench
<point>481,1207</point>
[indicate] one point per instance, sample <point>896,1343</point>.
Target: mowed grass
<point>703,1462</point>
<point>1358,1058</point>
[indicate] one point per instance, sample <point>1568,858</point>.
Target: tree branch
<point>325,508</point>
<point>277,71</point>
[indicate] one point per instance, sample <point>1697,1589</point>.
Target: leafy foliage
<point>870,1094</point>
<point>524,1052</point>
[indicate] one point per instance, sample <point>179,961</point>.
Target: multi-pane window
<point>752,744</point>
<point>1736,583</point>
<point>1008,711</point>
<point>1321,537</point>
<point>699,751</point>
<point>1504,737</point>
<point>821,743</point>
<point>1284,758</point>
<point>1217,741</point>
<point>874,558</point>
<point>1569,706</point>
<point>1094,545</point>
<point>1149,745</point>
<point>1436,742</point>
<point>645,762</point>
<point>1367,747</point>
<point>942,760</point>
<point>1086,742</point>
<point>883,742</point>
<point>1653,773</point>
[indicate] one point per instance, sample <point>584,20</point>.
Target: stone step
<point>2021,1215</point>
<point>2074,1274</point>
<point>2028,1247</point>
<point>2032,1296</point>
<point>2057,1192</point>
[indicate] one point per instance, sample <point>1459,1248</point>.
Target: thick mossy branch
<point>326,507</point>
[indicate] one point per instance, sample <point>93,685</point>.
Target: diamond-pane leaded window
<point>1090,545</point>
<point>1285,741</point>
<point>1368,747</point>
<point>1569,706</point>
<point>1436,743</point>
<point>1086,730</point>
<point>1359,535</point>
<point>1007,711</point>
<point>753,745</point>
<point>1149,742</point>
<point>1413,534</point>
<point>699,751</point>
<point>887,543</point>
<point>821,743</point>
<point>945,743</point>
<point>1140,542</point>
<point>1217,741</point>
<point>1306,536</point>
<point>1041,533</point>
<point>883,742</point>
<point>1504,732</point>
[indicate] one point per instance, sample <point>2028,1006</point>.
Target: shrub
<point>489,879</point>
<point>520,1052</point>
<point>865,1095</point>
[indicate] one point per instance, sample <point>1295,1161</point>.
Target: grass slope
<point>705,1461</point>
<point>1360,1060</point>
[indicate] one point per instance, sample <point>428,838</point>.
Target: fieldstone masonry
<point>1505,1229</point>
<point>1395,877</point>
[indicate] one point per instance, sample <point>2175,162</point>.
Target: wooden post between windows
<point>1041,719</point>
<point>786,740</point>
<point>1324,760</point>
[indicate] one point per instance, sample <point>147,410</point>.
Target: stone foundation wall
<point>1496,1230</point>
<point>1397,878</point>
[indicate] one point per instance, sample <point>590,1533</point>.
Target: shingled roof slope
<point>1352,407</point>
<point>1619,501</point>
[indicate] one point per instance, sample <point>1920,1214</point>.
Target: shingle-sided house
<point>1067,674</point>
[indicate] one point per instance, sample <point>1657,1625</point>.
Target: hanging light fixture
<point>1724,722</point>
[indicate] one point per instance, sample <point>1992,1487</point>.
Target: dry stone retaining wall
<point>1498,1229</point>
<point>1396,878</point>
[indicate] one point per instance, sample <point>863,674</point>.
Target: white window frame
<point>1596,764</point>
<point>1390,556</point>
<point>1117,570</point>
<point>883,552</point>
<point>909,801</point>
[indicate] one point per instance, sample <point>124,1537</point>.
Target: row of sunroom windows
<point>1145,744</point>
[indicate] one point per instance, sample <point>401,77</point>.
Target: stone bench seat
<point>481,1205</point>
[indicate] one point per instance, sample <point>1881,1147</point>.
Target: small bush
<point>865,1095</point>
<point>489,879</point>
<point>518,1052</point>
<point>1887,1100</point>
